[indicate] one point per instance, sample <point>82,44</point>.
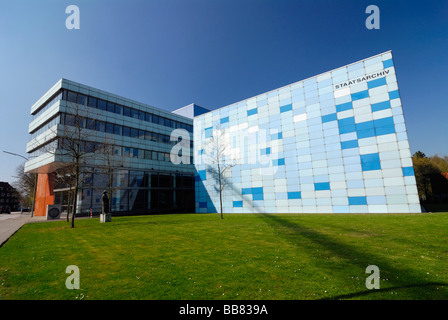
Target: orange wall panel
<point>44,193</point>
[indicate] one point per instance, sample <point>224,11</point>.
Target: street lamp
<point>35,181</point>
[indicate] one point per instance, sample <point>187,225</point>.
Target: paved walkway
<point>10,223</point>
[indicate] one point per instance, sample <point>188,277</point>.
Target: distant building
<point>8,196</point>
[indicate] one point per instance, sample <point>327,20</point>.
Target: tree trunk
<point>69,203</point>
<point>75,196</point>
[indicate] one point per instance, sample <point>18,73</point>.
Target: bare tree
<point>25,184</point>
<point>219,162</point>
<point>75,145</point>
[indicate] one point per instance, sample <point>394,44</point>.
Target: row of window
<point>135,179</point>
<point>111,128</point>
<point>93,102</point>
<point>55,98</point>
<point>46,126</point>
<point>96,147</point>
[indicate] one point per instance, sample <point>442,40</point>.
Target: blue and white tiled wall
<point>333,143</point>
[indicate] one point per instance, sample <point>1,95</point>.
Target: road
<point>10,223</point>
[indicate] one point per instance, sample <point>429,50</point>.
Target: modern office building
<point>125,147</point>
<point>333,143</point>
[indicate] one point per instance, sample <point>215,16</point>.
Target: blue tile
<point>346,121</point>
<point>360,95</point>
<point>237,204</point>
<point>246,191</point>
<point>295,195</point>
<point>384,130</point>
<point>357,201</point>
<point>365,125</point>
<point>202,174</point>
<point>252,111</point>
<point>286,108</point>
<point>347,129</point>
<point>376,83</point>
<point>258,190</point>
<point>276,136</point>
<point>202,204</point>
<point>394,95</point>
<point>224,120</point>
<point>388,63</point>
<point>370,162</point>
<point>322,186</point>
<point>408,171</point>
<point>371,157</point>
<point>329,117</point>
<point>384,122</point>
<point>258,197</point>
<point>381,106</point>
<point>344,106</point>
<point>349,144</point>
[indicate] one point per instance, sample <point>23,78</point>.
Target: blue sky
<point>170,53</point>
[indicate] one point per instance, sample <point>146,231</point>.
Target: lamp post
<point>35,181</point>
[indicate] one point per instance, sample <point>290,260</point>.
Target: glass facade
<point>333,143</point>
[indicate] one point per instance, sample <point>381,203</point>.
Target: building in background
<point>333,143</point>
<point>9,197</point>
<point>142,179</point>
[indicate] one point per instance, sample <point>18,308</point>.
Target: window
<point>126,151</point>
<point>134,133</point>
<point>141,115</point>
<point>71,97</point>
<point>165,181</point>
<point>109,127</point>
<point>118,109</point>
<point>148,155</point>
<point>110,106</point>
<point>90,124</point>
<point>155,119</point>
<point>126,131</point>
<point>134,113</point>
<point>167,122</point>
<point>147,117</point>
<point>117,129</point>
<point>91,102</point>
<point>127,111</point>
<point>100,126</point>
<point>102,105</point>
<point>69,120</point>
<point>116,150</point>
<point>82,99</point>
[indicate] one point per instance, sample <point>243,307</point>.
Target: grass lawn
<point>199,256</point>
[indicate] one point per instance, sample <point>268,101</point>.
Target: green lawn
<point>199,256</point>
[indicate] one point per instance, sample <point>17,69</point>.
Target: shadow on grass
<point>367,292</point>
<point>399,278</point>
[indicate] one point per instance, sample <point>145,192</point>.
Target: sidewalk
<point>10,223</point>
